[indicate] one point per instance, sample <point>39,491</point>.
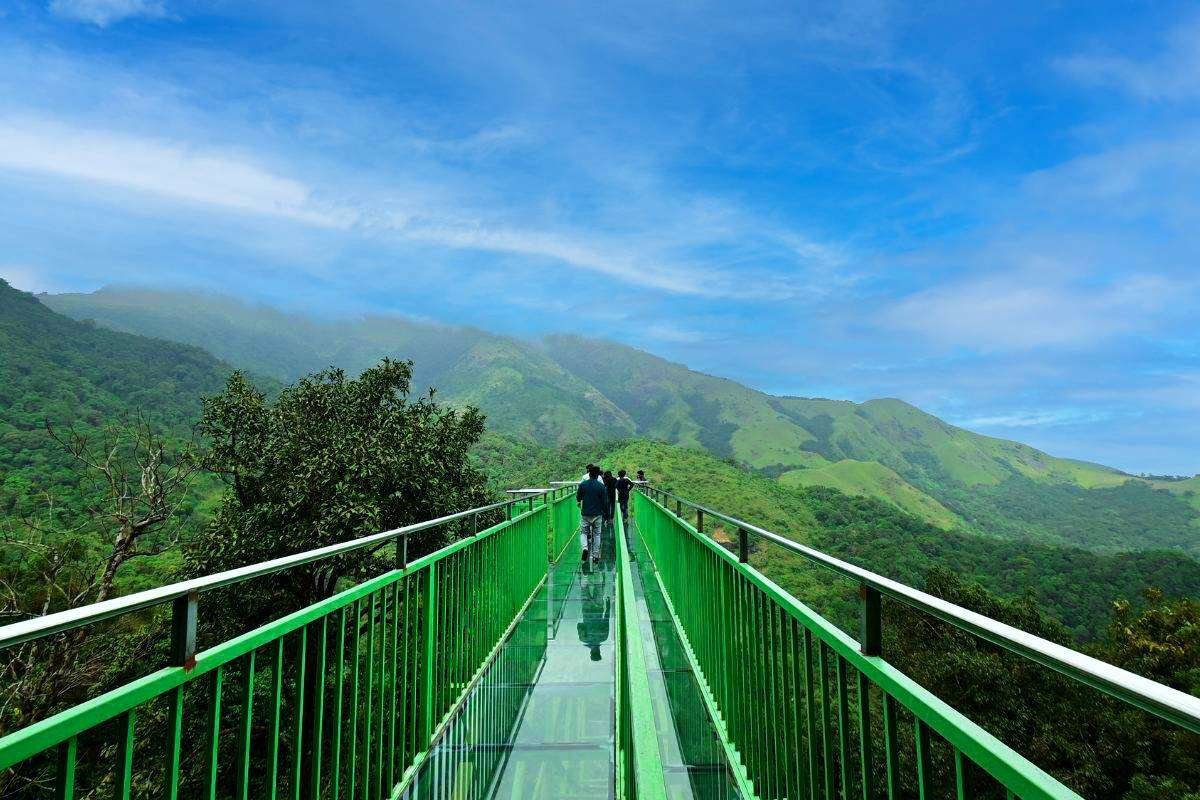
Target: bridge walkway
<point>541,721</point>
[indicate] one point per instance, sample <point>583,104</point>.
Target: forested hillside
<point>572,389</point>
<point>1075,586</point>
<point>57,371</point>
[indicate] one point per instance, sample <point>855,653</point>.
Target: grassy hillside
<point>573,389</point>
<point>1075,586</point>
<point>872,479</point>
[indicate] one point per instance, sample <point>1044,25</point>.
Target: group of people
<point>598,495</point>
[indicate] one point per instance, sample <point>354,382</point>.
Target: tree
<point>330,460</point>
<point>135,482</point>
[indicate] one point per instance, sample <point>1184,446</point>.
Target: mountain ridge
<point>566,388</point>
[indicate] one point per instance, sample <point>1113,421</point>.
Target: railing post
<point>871,621</point>
<point>700,520</point>
<point>183,630</point>
<point>743,545</point>
<point>679,508</point>
<point>402,552</point>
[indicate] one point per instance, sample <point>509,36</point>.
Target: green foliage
<point>331,459</point>
<point>1130,516</point>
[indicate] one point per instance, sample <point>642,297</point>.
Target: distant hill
<point>521,389</point>
<point>566,389</point>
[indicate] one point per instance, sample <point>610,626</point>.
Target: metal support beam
<point>870,621</point>
<point>743,545</point>
<point>183,630</point>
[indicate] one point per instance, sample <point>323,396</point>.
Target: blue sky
<point>991,210</point>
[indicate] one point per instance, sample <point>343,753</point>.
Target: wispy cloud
<point>1171,74</point>
<point>1038,418</point>
<point>168,169</point>
<point>103,13</point>
<point>1032,308</point>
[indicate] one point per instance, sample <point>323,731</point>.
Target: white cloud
<point>238,183</point>
<point>103,13</point>
<point>1035,307</point>
<point>164,168</point>
<point>1038,418</point>
<point>1174,74</point>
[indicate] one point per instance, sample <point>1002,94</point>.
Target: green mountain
<point>522,391</point>
<point>57,370</point>
<point>573,389</point>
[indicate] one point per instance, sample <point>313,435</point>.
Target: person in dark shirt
<point>641,476</point>
<point>593,505</point>
<point>623,487</point>
<point>610,484</point>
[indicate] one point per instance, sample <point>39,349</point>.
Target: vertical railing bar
<point>214,733</point>
<point>175,742</point>
<point>430,651</point>
<point>125,743</point>
<point>891,746</point>
<point>352,767</point>
<point>298,730</point>
<point>962,776</point>
<point>864,733</point>
<point>276,726</point>
<point>64,773</point>
<point>843,720</point>
<point>823,653</point>
<point>318,727</point>
<point>814,772</point>
<point>397,688</point>
<point>340,684</point>
<point>246,728</point>
<point>368,726</point>
<point>794,650</point>
<point>383,678</point>
<point>924,763</point>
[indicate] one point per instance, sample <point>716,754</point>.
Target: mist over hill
<point>563,389</point>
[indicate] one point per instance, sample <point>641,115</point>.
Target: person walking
<point>641,476</point>
<point>610,484</point>
<point>592,498</point>
<point>623,487</point>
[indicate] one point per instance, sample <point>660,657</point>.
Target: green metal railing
<point>638,761</point>
<point>341,699</point>
<point>808,714</point>
<point>565,527</point>
<point>365,695</point>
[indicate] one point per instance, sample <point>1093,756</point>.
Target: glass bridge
<point>502,666</point>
